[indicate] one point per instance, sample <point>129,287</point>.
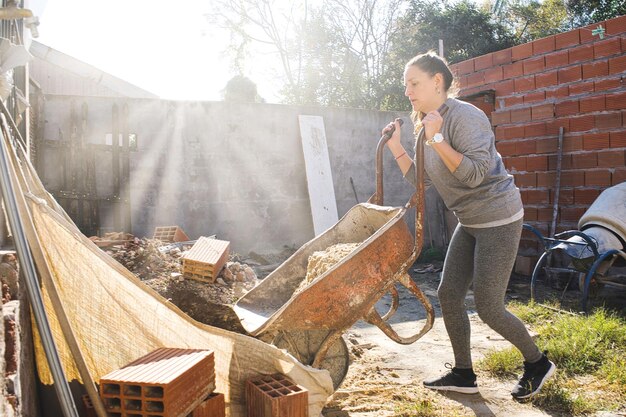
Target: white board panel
<point>318,173</point>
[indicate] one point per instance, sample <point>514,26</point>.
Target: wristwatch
<point>437,138</point>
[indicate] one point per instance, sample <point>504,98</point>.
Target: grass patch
<point>593,346</point>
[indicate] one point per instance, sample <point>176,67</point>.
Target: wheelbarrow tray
<point>344,293</point>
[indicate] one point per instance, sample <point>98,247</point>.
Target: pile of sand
<point>322,261</point>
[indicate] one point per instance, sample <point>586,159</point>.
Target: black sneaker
<point>457,380</point>
<point>535,375</point>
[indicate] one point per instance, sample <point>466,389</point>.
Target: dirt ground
<point>383,373</point>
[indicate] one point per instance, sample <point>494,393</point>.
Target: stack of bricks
<point>276,396</point>
<point>573,80</point>
<point>205,259</point>
<point>168,382</point>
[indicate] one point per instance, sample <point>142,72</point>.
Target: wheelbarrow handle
<point>374,318</point>
<point>378,198</point>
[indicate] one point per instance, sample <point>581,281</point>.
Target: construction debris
<point>206,259</point>
<point>168,381</point>
<point>170,234</point>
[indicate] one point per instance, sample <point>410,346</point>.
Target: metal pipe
<point>32,287</point>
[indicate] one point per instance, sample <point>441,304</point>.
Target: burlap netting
<point>116,319</point>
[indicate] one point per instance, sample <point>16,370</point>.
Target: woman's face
<point>421,88</point>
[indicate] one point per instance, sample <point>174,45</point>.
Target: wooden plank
<point>318,173</point>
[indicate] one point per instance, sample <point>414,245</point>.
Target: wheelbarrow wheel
<point>305,344</point>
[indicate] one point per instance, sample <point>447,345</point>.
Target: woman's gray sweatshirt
<point>480,192</point>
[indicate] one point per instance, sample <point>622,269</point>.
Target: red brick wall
<point>575,80</point>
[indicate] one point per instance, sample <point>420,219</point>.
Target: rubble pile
<point>158,265</point>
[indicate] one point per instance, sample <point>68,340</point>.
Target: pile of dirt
<point>322,261</point>
<point>159,266</point>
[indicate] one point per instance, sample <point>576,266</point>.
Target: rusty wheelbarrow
<point>309,324</point>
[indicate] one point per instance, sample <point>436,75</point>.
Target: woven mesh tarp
<point>116,318</point>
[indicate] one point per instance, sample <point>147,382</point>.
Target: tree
<point>585,12</point>
<point>466,30</point>
<point>242,89</point>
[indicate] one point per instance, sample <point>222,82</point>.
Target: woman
<point>461,161</point>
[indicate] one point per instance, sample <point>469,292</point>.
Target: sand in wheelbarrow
<point>322,261</point>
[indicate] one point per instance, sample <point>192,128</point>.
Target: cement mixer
<point>595,248</point>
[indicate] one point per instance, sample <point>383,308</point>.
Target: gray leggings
<point>486,257</point>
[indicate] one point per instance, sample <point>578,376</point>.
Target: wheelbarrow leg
<point>374,318</point>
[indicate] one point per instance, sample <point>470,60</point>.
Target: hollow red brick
<point>567,39</point>
<point>276,396</point>
<point>570,74</point>
<point>616,101</point>
<point>525,147</point>
<point>571,213</point>
<point>559,92</point>
<point>520,115</point>
<point>547,145</point>
<point>534,97</point>
<point>572,143</point>
<point>572,179</point>
<point>546,79</point>
<point>514,132</point>
<point>534,129</point>
<point>513,101</point>
<point>493,75</point>
<point>545,179</point>
<point>465,67</point>
<point>581,53</point>
<point>615,25</point>
<point>533,65</point>
<point>517,163</point>
<point>483,61</point>
<point>567,107</point>
<point>552,126</point>
<point>506,148</point>
<point>608,120</point>
<point>543,111</point>
<point>585,87</point>
<point>527,180</point>
<point>522,51</point>
<point>500,117</point>
<point>477,78</point>
<point>617,65</point>
<point>537,163</point>
<point>502,57</point>
<point>582,123</point>
<point>545,213</point>
<point>608,84</point>
<point>586,34</point>
<point>566,161</point>
<point>591,104</point>
<point>530,214</point>
<point>525,83</point>
<point>618,139</point>
<point>504,87</point>
<point>537,197</point>
<point>596,141</point>
<point>611,159</point>
<point>607,47</point>
<point>619,176</point>
<point>544,45</point>
<point>595,69</point>
<point>557,59</point>
<point>598,178</point>
<point>584,160</point>
<point>516,69</point>
<point>213,406</point>
<point>585,195</point>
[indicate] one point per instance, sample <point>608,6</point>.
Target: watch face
<point>438,137</point>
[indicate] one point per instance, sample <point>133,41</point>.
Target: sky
<point>168,48</point>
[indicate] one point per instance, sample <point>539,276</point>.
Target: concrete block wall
<point>575,80</point>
